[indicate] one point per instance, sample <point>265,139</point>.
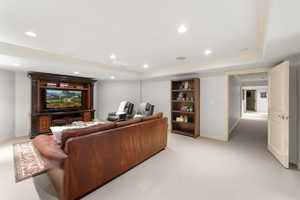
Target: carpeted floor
<point>189,168</point>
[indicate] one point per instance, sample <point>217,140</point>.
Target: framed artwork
<point>263,95</point>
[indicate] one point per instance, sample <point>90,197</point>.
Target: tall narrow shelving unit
<point>185,107</point>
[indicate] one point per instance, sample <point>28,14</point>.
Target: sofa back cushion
<point>69,133</point>
<point>151,117</point>
<point>129,122</point>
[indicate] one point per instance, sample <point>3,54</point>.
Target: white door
<point>278,123</point>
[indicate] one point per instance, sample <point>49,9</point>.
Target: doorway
<point>251,100</point>
<point>255,101</point>
<point>278,133</point>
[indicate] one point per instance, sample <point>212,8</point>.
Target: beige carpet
<point>189,169</point>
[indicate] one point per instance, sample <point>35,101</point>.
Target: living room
<point>113,100</point>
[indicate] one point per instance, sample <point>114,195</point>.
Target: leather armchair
<point>125,111</point>
<point>145,109</point>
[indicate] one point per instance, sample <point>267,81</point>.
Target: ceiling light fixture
<point>182,29</point>
<point>16,64</point>
<point>113,56</point>
<point>30,34</point>
<point>112,77</point>
<point>146,66</point>
<point>207,52</point>
<point>76,73</point>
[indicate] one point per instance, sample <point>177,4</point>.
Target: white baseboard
<point>234,126</point>
<point>214,138</point>
<point>282,158</point>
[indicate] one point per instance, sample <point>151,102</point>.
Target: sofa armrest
<point>49,149</point>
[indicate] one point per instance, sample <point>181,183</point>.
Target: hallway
<point>251,133</point>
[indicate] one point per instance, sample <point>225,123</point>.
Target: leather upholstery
<point>69,133</point>
<point>128,122</point>
<point>48,148</point>
<point>151,117</point>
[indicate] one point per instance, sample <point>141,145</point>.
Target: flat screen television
<point>63,99</point>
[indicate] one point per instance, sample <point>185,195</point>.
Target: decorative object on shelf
<point>181,87</point>
<point>180,119</point>
<point>51,84</point>
<point>186,119</point>
<point>190,107</point>
<point>181,96</point>
<point>184,108</point>
<point>79,86</point>
<point>186,85</point>
<point>63,85</point>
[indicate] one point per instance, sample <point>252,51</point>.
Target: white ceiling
<point>81,35</point>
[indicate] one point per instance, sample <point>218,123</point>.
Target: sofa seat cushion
<point>69,133</point>
<point>48,148</point>
<point>128,122</point>
<point>152,117</point>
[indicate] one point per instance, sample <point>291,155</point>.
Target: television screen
<point>58,99</point>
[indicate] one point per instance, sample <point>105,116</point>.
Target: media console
<point>42,117</point>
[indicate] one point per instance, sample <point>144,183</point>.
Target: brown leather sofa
<point>89,157</point>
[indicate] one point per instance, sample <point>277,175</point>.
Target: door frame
<point>231,73</point>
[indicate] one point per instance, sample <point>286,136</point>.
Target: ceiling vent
<point>180,58</point>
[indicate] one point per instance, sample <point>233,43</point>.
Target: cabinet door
<point>44,124</point>
<point>87,116</point>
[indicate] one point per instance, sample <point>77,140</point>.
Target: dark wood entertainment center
<point>42,118</point>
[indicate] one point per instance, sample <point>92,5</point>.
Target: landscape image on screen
<point>56,99</point>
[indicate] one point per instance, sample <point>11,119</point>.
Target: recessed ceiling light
<point>146,66</point>
<point>76,73</point>
<point>182,29</point>
<point>112,77</point>
<point>16,64</point>
<point>207,52</point>
<point>30,34</point>
<point>113,56</point>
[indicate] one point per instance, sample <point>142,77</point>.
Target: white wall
<point>212,102</point>
<point>22,104</point>
<point>158,93</point>
<point>262,103</point>
<point>212,107</point>
<point>7,104</point>
<point>234,110</point>
<point>111,93</point>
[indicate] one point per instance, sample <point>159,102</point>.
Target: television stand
<point>41,118</point>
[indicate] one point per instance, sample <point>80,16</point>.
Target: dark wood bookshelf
<point>184,96</point>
